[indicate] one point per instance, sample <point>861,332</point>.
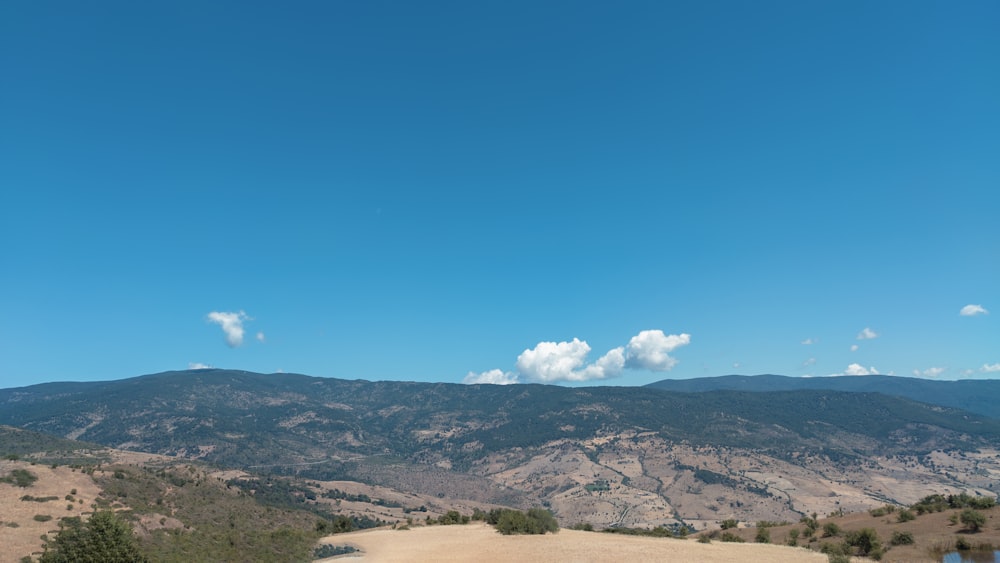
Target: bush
<point>704,539</point>
<point>42,518</point>
<point>831,529</point>
<point>901,538</point>
<point>731,537</point>
<point>583,526</point>
<point>535,521</point>
<point>729,524</point>
<point>905,516</point>
<point>866,542</point>
<point>20,477</point>
<point>973,519</point>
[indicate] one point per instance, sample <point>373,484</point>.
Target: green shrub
<point>729,524</point>
<point>831,529</point>
<point>763,535</point>
<point>905,516</point>
<point>42,518</point>
<point>901,538</point>
<point>704,539</point>
<point>973,519</point>
<point>866,542</point>
<point>731,537</point>
<point>583,526</point>
<point>535,521</point>
<point>20,477</point>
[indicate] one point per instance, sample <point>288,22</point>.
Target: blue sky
<point>567,192</point>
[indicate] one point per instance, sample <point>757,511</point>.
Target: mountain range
<point>608,455</point>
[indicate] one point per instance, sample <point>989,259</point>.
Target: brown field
<point>20,533</point>
<point>481,543</point>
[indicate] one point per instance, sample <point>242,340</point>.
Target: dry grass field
<point>20,531</point>
<point>481,543</point>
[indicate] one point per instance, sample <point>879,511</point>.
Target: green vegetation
<point>905,515</point>
<point>973,519</point>
<point>535,521</point>
<point>327,550</point>
<point>730,537</point>
<point>793,537</point>
<point>763,535</point>
<point>729,523</point>
<point>901,538</point>
<point>831,529</point>
<point>42,517</point>
<point>104,537</point>
<point>582,526</point>
<point>657,532</point>
<point>939,503</point>
<point>865,542</point>
<point>598,486</point>
<point>29,498</point>
<point>882,511</point>
<point>20,478</point>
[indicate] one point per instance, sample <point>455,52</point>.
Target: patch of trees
<point>939,503</point>
<point>534,521</point>
<point>337,494</point>
<point>104,537</point>
<point>20,478</point>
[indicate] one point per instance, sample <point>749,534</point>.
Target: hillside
<point>606,455</point>
<point>978,396</point>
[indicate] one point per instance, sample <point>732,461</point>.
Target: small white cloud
<point>990,368</point>
<point>736,365</point>
<point>973,310</point>
<point>809,362</point>
<point>867,334</point>
<point>858,369</point>
<point>549,362</point>
<point>198,365</point>
<point>810,341</point>
<point>929,372</point>
<point>854,347</point>
<point>493,376</point>
<point>232,325</point>
<point>260,337</point>
<point>650,350</point>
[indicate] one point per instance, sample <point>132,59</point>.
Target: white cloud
<point>809,341</point>
<point>549,362</point>
<point>854,347</point>
<point>493,376</point>
<point>809,362</point>
<point>973,310</point>
<point>867,334</point>
<point>858,369</point>
<point>650,350</point>
<point>990,368</point>
<point>260,337</point>
<point>232,325</point>
<point>929,372</point>
<point>198,365</point>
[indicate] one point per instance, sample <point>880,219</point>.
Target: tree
<point>104,538</point>
<point>729,524</point>
<point>865,540</point>
<point>973,519</point>
<point>831,529</point>
<point>763,535</point>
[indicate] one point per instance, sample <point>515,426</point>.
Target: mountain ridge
<point>977,396</point>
